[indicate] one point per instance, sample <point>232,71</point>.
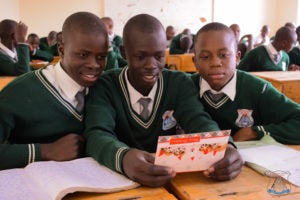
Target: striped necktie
<point>145,111</point>
<point>215,100</point>
<point>80,99</point>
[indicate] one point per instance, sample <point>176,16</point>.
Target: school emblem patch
<point>168,120</point>
<point>244,118</point>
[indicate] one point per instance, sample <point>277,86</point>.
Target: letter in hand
<point>139,166</point>
<point>227,168</point>
<point>66,148</point>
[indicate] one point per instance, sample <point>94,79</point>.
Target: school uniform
<point>37,107</point>
<point>14,63</point>
<point>175,44</point>
<point>294,55</point>
<point>113,115</point>
<point>252,102</point>
<point>264,58</point>
<point>39,54</point>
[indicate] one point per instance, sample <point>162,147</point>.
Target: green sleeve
<point>246,63</point>
<point>13,155</point>
<point>8,67</point>
<point>190,111</point>
<point>102,144</point>
<point>280,116</point>
<point>42,55</point>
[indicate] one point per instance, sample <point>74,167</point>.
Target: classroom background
<point>41,16</point>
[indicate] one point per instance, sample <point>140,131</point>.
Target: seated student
<point>114,59</point>
<point>294,54</point>
<point>14,52</point>
<point>272,57</point>
<point>42,111</point>
<point>36,53</point>
<point>47,42</point>
<point>170,33</point>
<point>262,38</point>
<point>54,48</point>
<point>245,43</point>
<point>182,40</point>
<point>236,100</point>
<point>121,128</point>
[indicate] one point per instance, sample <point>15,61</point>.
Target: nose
<point>94,62</point>
<point>151,62</point>
<point>216,61</point>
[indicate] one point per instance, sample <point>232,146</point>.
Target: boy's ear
<point>122,51</point>
<point>238,57</point>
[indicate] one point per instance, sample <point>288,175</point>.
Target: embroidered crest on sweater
<point>244,118</point>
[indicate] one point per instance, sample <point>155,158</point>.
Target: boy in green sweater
<point>41,114</point>
<point>122,130</point>
<point>273,56</point>
<point>14,52</point>
<point>236,100</point>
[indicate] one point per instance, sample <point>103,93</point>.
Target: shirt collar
<point>271,49</point>
<point>10,53</point>
<point>229,89</point>
<point>135,95</point>
<point>68,86</point>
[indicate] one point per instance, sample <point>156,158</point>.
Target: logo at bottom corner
<point>278,185</point>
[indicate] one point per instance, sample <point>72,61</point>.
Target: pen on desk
<point>227,194</point>
<point>131,198</point>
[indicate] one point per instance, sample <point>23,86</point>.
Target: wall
<point>42,16</point>
<point>179,13</point>
<point>9,10</point>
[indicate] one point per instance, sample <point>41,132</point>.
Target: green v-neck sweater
<point>272,112</point>
<point>112,126</point>
<point>32,112</point>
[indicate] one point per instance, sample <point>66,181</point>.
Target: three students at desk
<point>118,133</point>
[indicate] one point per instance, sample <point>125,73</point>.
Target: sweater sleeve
<point>102,143</point>
<point>10,68</point>
<point>280,116</point>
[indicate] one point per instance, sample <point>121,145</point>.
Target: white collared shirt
<point>63,83</point>
<point>135,96</point>
<point>272,51</point>
<point>229,89</point>
<point>7,51</point>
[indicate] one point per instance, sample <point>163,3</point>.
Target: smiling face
<point>216,57</point>
<point>83,56</point>
<point>145,54</point>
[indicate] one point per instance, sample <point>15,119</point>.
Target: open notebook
<point>269,157</point>
<point>50,180</point>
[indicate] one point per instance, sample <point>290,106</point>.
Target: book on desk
<point>51,180</point>
<point>270,158</point>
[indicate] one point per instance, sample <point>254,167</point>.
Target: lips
<point>91,77</point>
<point>217,75</point>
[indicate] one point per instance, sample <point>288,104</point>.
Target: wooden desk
<point>287,82</point>
<point>4,80</point>
<point>249,185</point>
<point>141,193</point>
<point>182,62</point>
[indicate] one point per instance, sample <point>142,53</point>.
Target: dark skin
<point>145,55</point>
<point>83,57</point>
<point>216,57</point>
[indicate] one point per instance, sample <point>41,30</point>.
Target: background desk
<point>141,193</point>
<point>181,62</point>
<point>4,80</point>
<point>249,185</point>
<point>287,82</point>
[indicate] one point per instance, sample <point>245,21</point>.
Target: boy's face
<point>216,57</point>
<point>84,56</point>
<point>34,42</point>
<point>145,54</point>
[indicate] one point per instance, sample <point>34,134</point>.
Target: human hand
<point>66,148</point>
<point>21,31</point>
<point>294,67</point>
<point>139,166</point>
<point>245,134</point>
<point>227,168</point>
